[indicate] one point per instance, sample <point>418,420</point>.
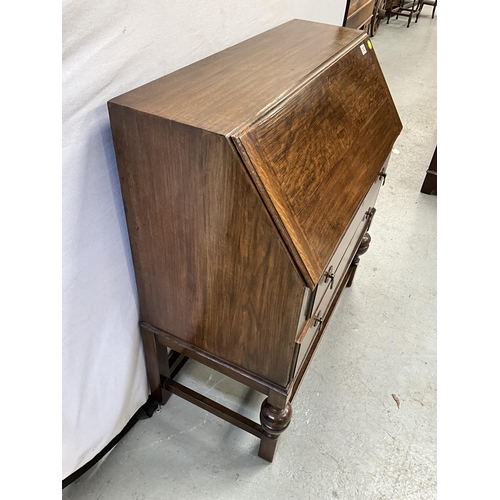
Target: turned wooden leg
<point>363,247</point>
<point>274,421</point>
<point>155,355</point>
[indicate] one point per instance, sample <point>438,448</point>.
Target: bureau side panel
<point>210,266</point>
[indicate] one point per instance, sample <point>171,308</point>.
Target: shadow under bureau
<point>249,182</point>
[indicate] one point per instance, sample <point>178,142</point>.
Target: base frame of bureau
<point>276,410</point>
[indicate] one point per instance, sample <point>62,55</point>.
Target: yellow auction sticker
<point>369,43</point>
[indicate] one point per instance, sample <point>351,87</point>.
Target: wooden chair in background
<point>405,8</point>
<point>433,3</point>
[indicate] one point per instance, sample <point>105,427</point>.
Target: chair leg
<point>388,9</point>
<point>409,16</point>
<point>414,10</point>
<point>434,9</point>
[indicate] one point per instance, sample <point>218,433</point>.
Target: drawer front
<point>316,321</point>
<point>331,276</point>
<point>309,333</point>
<point>305,310</point>
<point>340,263</point>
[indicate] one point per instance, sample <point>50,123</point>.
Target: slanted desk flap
<point>315,154</point>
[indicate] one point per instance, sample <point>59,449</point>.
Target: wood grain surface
<point>240,176</point>
<point>222,91</point>
<point>359,14</point>
<point>210,265</point>
<point>315,155</point>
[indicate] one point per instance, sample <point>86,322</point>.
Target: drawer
<point>316,322</point>
<point>340,263</point>
<point>309,333</point>
<point>330,274</point>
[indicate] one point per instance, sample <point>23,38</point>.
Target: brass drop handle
<point>369,213</point>
<point>329,275</point>
<point>318,319</point>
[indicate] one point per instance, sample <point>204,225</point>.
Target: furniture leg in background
<point>429,186</point>
<point>405,8</point>
<point>433,3</point>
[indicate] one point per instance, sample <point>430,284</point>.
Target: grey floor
<point>347,439</point>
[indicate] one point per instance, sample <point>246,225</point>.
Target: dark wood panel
<point>152,365</point>
<point>222,91</point>
<point>359,13</point>
<point>210,266</point>
<point>355,5</point>
<point>319,151</point>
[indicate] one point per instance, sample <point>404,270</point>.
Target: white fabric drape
<point>109,47</point>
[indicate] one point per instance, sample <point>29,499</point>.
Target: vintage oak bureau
<point>249,181</point>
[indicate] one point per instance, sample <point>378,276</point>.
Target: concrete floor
<point>347,439</point>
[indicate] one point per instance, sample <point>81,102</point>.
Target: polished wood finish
<point>348,241</point>
<point>359,14</point>
<point>153,366</point>
<point>247,179</point>
<point>203,243</point>
<point>250,77</point>
<point>274,422</point>
<point>329,113</point>
<point>236,372</point>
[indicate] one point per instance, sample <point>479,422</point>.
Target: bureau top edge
<point>222,92</point>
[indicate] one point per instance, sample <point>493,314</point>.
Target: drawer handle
<point>318,319</point>
<point>330,276</point>
<point>382,177</point>
<point>369,213</point>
